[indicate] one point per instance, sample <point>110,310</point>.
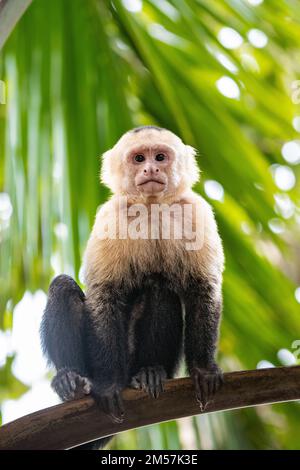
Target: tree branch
<point>73,423</point>
<point>10,13</point>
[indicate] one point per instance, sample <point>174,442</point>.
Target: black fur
<point>119,337</point>
<point>62,325</point>
<point>203,306</point>
<point>93,340</point>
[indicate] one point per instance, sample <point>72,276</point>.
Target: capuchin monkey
<point>147,298</point>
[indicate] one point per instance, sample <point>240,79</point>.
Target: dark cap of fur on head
<point>142,128</point>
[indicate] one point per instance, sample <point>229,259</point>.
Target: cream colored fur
<point>114,260</point>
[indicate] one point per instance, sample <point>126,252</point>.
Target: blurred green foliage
<point>10,386</point>
<point>79,73</point>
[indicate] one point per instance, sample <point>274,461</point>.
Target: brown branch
<point>70,424</point>
<point>10,13</point>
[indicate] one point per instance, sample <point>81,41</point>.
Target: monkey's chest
<point>169,257</point>
<point>157,240</point>
<point>141,253</point>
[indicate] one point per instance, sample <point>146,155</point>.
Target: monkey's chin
<point>151,188</point>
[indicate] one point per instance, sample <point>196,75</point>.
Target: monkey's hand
<point>109,399</point>
<point>207,382</point>
<point>69,385</point>
<point>151,380</point>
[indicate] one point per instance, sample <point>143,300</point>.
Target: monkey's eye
<point>160,157</point>
<point>139,158</point>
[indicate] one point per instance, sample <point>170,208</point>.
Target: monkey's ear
<point>192,169</point>
<point>109,174</point>
<point>105,173</point>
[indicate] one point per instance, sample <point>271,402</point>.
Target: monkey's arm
<point>204,306</point>
<point>203,312</point>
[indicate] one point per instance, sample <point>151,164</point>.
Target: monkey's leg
<point>203,303</point>
<point>107,347</point>
<point>61,335</point>
<point>157,340</point>
<point>62,332</point>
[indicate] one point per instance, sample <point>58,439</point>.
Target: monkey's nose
<point>150,169</point>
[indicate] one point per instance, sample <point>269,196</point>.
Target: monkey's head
<point>150,162</point>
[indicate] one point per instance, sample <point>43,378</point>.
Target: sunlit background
<point>225,76</point>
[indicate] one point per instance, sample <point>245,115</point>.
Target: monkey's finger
<point>66,387</point>
<point>198,391</point>
<point>158,385</point>
<point>104,403</point>
<point>143,380</point>
<point>213,386</point>
<point>210,385</point>
<point>120,404</point>
<point>80,380</point>
<point>151,383</point>
<point>204,385</point>
<point>159,388</point>
<point>84,384</point>
<point>71,387</point>
<point>62,392</point>
<point>64,382</point>
<point>71,378</point>
<point>135,383</point>
<point>87,387</point>
<point>163,378</point>
<point>218,381</point>
<point>113,409</point>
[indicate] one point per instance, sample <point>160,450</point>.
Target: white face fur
<point>150,163</point>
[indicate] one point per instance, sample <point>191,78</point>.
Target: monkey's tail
<point>94,445</point>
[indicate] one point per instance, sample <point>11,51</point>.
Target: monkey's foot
<point>109,399</point>
<point>151,380</point>
<point>207,382</point>
<point>69,385</point>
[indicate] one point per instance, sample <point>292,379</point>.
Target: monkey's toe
<point>84,385</point>
<point>113,406</point>
<point>110,401</point>
<point>150,380</point>
<point>207,382</point>
<point>69,385</point>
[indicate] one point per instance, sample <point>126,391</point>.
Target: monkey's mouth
<point>152,181</point>
<point>152,186</point>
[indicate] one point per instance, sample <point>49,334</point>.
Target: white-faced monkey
<point>147,298</point>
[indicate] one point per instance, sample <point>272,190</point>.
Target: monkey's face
<point>149,163</point>
<point>149,168</point>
